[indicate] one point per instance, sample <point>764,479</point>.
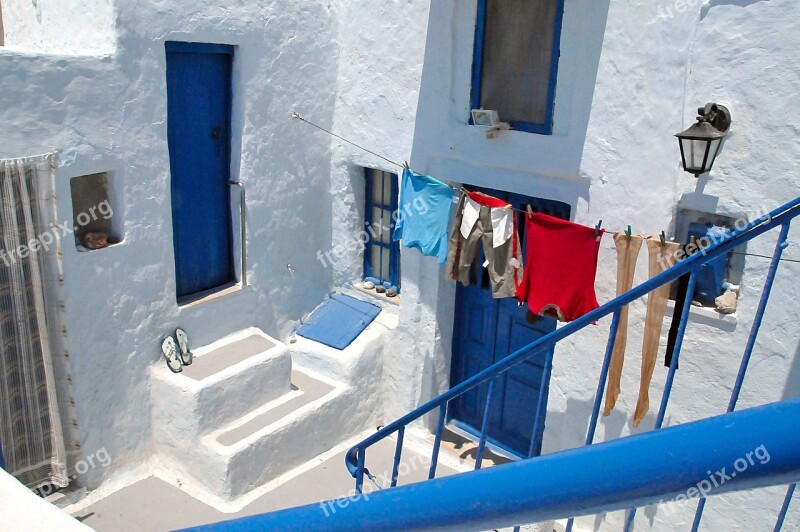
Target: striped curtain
<point>31,436</point>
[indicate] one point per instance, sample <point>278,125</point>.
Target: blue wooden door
<point>198,128</point>
<point>487,330</point>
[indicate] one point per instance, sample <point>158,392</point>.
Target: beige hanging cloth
<point>660,257</point>
<point>627,254</point>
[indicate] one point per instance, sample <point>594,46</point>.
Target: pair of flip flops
<point>177,354</point>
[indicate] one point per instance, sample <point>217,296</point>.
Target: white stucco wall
<point>62,27</point>
<point>631,75</point>
<point>23,510</point>
<point>382,46</point>
<point>395,77</point>
<point>109,114</point>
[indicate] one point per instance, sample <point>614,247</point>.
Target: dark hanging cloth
<point>680,299</point>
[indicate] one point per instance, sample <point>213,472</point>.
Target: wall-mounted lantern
<point>700,143</point>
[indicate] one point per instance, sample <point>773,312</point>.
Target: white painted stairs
<point>241,415</point>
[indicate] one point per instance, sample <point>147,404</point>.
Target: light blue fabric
<point>424,214</point>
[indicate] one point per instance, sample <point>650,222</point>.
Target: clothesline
<point>297,116</point>
<point>462,189</point>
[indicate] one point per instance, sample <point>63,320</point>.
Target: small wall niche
<point>722,273</point>
<point>96,219</point>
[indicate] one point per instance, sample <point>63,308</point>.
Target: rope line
<point>462,189</point>
<point>297,116</point>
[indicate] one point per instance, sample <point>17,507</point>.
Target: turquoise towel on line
<point>424,214</point>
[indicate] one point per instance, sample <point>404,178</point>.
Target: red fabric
<point>487,201</point>
<point>560,267</point>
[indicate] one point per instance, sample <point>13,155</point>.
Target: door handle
<point>216,133</point>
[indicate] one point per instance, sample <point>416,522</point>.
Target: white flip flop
<point>170,350</point>
<point>183,342</point>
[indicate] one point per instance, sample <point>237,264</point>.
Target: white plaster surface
<point>628,80</point>
<point>59,27</point>
<point>395,77</point>
<point>24,511</point>
<point>109,114</point>
<point>239,442</point>
<point>199,407</point>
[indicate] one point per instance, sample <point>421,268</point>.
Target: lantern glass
<point>694,152</point>
<point>699,147</point>
<point>713,150</point>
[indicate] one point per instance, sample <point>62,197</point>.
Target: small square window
<point>704,230</point>
<point>515,64</point>
<point>382,254</point>
<point>97,223</point>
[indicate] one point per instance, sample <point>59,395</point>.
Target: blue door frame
<point>545,128</point>
<point>198,129</point>
<point>485,330</point>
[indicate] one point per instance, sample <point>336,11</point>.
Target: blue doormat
<point>338,321</point>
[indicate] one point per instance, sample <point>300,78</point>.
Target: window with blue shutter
<point>515,63</point>
<point>381,254</point>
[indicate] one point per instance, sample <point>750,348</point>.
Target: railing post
<point>785,508</point>
<point>437,442</point>
<point>360,470</point>
<point>751,340</point>
<point>662,409</point>
<point>676,353</point>
<point>548,368</point>
<point>762,306</point>
<point>397,452</point>
<point>485,424</point>
<point>598,396</point>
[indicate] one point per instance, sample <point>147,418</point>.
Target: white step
<point>273,439</point>
<point>227,379</point>
<point>227,447</point>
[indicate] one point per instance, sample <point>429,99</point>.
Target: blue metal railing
<point>624,473</point>
<point>592,479</point>
<point>781,217</point>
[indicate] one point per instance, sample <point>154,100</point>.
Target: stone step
<point>307,391</point>
<point>227,379</point>
<point>272,439</point>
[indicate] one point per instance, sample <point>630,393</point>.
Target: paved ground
<point>153,505</point>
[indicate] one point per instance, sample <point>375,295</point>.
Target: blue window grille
<point>515,61</point>
<point>381,254</point>
<point>711,276</point>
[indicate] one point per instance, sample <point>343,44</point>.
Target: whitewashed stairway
<point>241,415</point>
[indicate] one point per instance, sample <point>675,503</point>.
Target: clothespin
<point>405,165</point>
<point>628,232</point>
<point>663,238</point>
<point>597,228</point>
<point>530,211</point>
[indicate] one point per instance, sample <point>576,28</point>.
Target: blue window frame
<point>381,254</point>
<point>515,62</point>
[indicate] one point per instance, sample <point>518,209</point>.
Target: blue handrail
<point>356,456</point>
<point>751,341</point>
<point>760,444</point>
<point>624,473</point>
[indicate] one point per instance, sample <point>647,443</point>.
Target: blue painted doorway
<point>486,330</point>
<point>198,130</point>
